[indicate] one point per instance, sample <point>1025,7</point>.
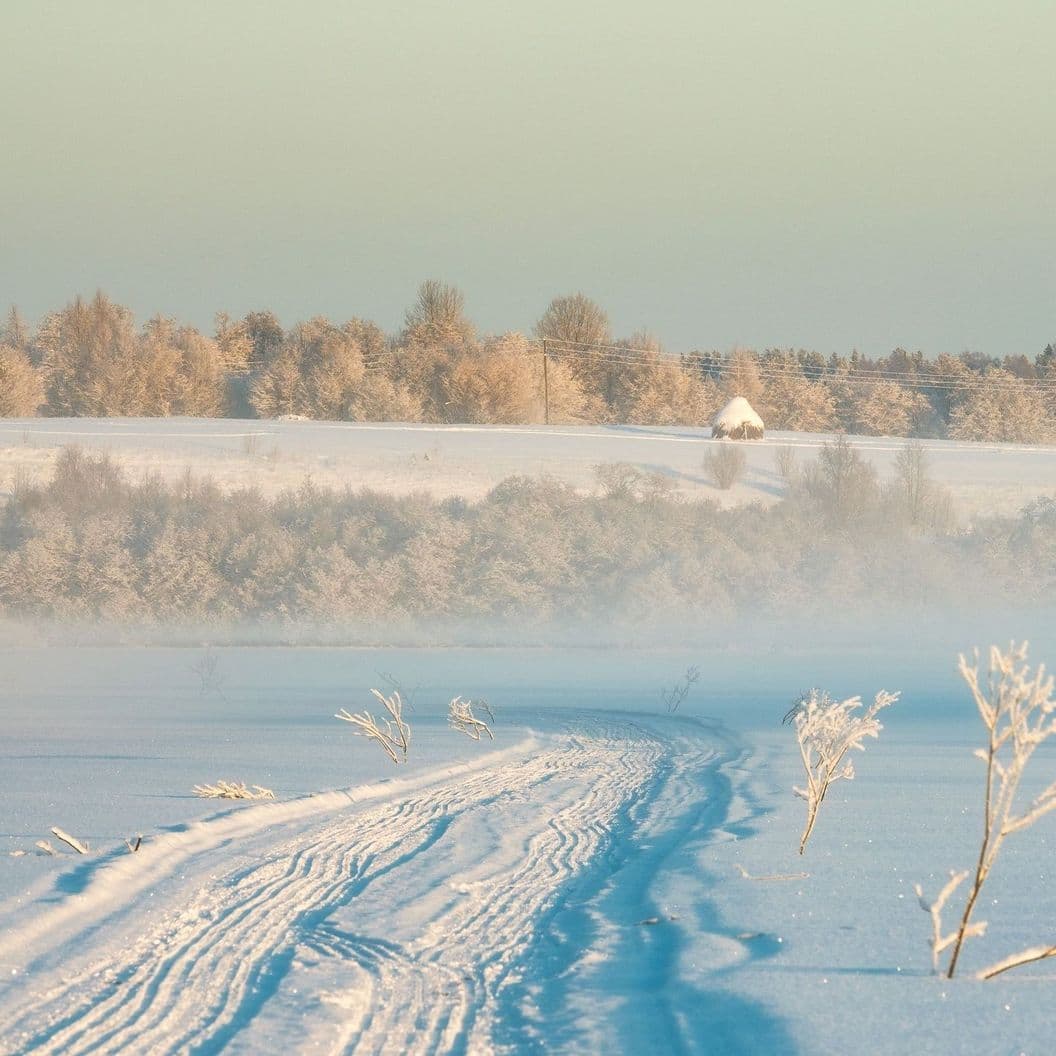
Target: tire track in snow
<point>194,982</point>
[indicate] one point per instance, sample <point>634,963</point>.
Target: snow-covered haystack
<point>738,421</point>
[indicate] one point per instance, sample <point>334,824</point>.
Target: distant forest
<point>92,545</point>
<point>92,359</point>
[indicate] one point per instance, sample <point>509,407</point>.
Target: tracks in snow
<point>413,925</point>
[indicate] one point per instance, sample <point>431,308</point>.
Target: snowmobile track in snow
<point>408,925</point>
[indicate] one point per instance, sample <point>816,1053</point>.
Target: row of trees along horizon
<point>91,359</point>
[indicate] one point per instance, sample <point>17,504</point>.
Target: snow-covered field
<point>603,877</point>
<point>572,887</point>
<point>469,460</point>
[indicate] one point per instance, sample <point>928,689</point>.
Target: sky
<point>818,174</point>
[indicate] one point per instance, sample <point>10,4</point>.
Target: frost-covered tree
<point>438,317</point>
<point>913,497</point>
<point>1002,407</point>
<point>740,377</point>
<point>885,408</point>
<point>790,400</point>
<point>14,332</point>
<point>574,320</point>
<point>234,343</point>
<point>21,386</point>
<point>826,730</point>
<point>91,359</point>
<point>840,485</point>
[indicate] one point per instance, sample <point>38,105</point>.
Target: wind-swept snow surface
<point>507,903</point>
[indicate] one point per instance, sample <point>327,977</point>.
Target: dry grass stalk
<point>674,696</point>
<point>394,735</point>
<point>826,731</point>
<point>231,790</point>
<point>460,717</point>
<point>1019,713</point>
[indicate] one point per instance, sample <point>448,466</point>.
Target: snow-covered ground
<point>604,877</point>
<point>469,460</point>
<point>576,886</point>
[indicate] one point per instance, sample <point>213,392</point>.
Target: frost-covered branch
<point>232,790</point>
<point>394,735</point>
<point>1019,713</point>
<point>826,731</point>
<point>1029,956</point>
<point>460,717</point>
<point>939,942</point>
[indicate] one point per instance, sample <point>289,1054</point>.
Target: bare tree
<point>210,677</point>
<point>573,320</point>
<point>785,461</point>
<point>1019,712</point>
<point>826,731</point>
<point>438,316</point>
<point>394,735</point>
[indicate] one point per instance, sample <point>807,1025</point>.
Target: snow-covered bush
<point>827,730</point>
<point>1019,712</point>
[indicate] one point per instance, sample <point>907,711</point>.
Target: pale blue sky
<point>826,173</point>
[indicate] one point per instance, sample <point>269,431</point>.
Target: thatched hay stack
<point>738,421</point>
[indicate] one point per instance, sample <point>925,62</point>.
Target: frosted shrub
<point>394,735</point>
<point>461,717</point>
<point>826,731</point>
<point>1019,713</point>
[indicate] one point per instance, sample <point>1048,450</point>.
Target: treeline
<point>91,358</point>
<point>91,545</point>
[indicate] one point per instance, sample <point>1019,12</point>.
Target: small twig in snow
<point>770,876</point>
<point>72,841</point>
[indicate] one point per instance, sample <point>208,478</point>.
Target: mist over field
<point>534,560</point>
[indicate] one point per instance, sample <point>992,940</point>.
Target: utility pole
<point>546,388</point>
